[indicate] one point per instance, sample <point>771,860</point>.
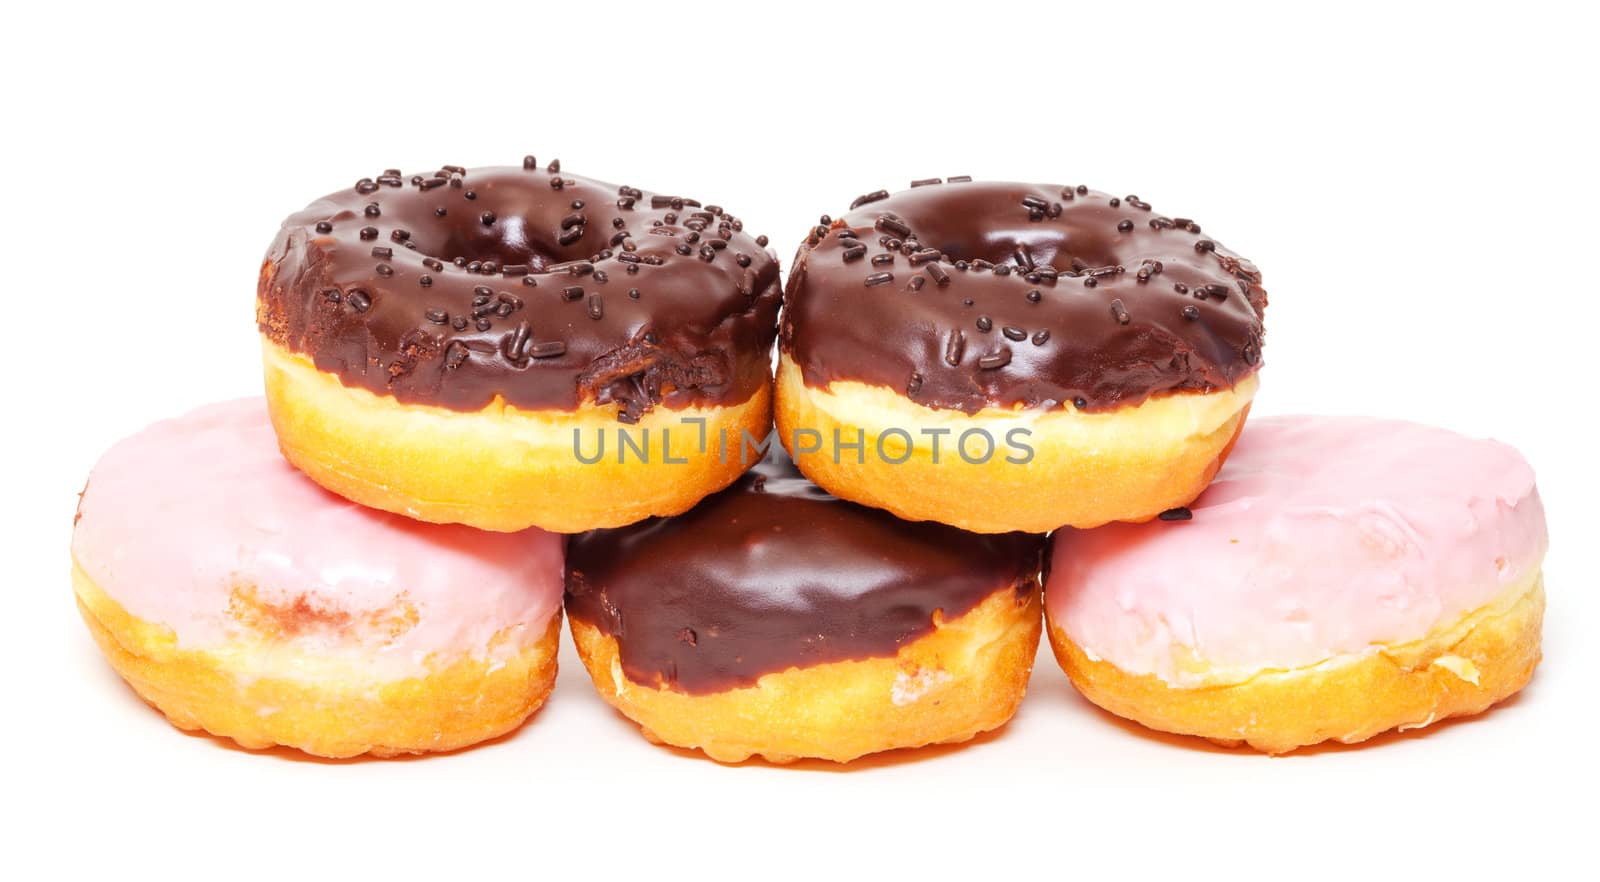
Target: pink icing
<point>1321,536</point>
<point>199,524</point>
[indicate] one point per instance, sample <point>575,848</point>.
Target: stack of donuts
<point>998,411</point>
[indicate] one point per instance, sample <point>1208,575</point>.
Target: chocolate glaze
<point>568,290</point>
<point>774,573</point>
<point>967,295</point>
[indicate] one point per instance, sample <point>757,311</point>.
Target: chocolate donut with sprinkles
<point>1005,356</point>
<point>517,346</point>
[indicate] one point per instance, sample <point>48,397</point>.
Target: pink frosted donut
<point>1341,577</point>
<point>240,598</point>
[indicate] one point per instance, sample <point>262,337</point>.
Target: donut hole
<point>962,222</point>
<point>1021,247</point>
<point>510,241</point>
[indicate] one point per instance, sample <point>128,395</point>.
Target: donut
<point>1003,356</point>
<point>516,347</point>
<point>241,599</point>
<point>776,620</point>
<point>1341,578</point>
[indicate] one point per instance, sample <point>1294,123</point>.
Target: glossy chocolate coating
<point>566,291</point>
<point>967,295</point>
<point>774,573</point>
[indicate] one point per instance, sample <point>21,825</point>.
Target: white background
<point>1418,187</point>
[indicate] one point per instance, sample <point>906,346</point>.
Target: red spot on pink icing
<point>200,525</point>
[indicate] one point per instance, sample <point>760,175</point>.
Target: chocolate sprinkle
<point>995,360</point>
<point>874,196</point>
<point>893,225</point>
<point>954,346</point>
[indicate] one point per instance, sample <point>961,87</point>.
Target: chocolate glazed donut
<point>541,288</point>
<point>1124,340</point>
<point>774,573</point>
<point>775,619</point>
<point>507,309</point>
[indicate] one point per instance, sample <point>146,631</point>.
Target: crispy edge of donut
<point>966,677</point>
<point>500,468</point>
<point>1087,469</point>
<point>457,704</point>
<point>1458,669</point>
